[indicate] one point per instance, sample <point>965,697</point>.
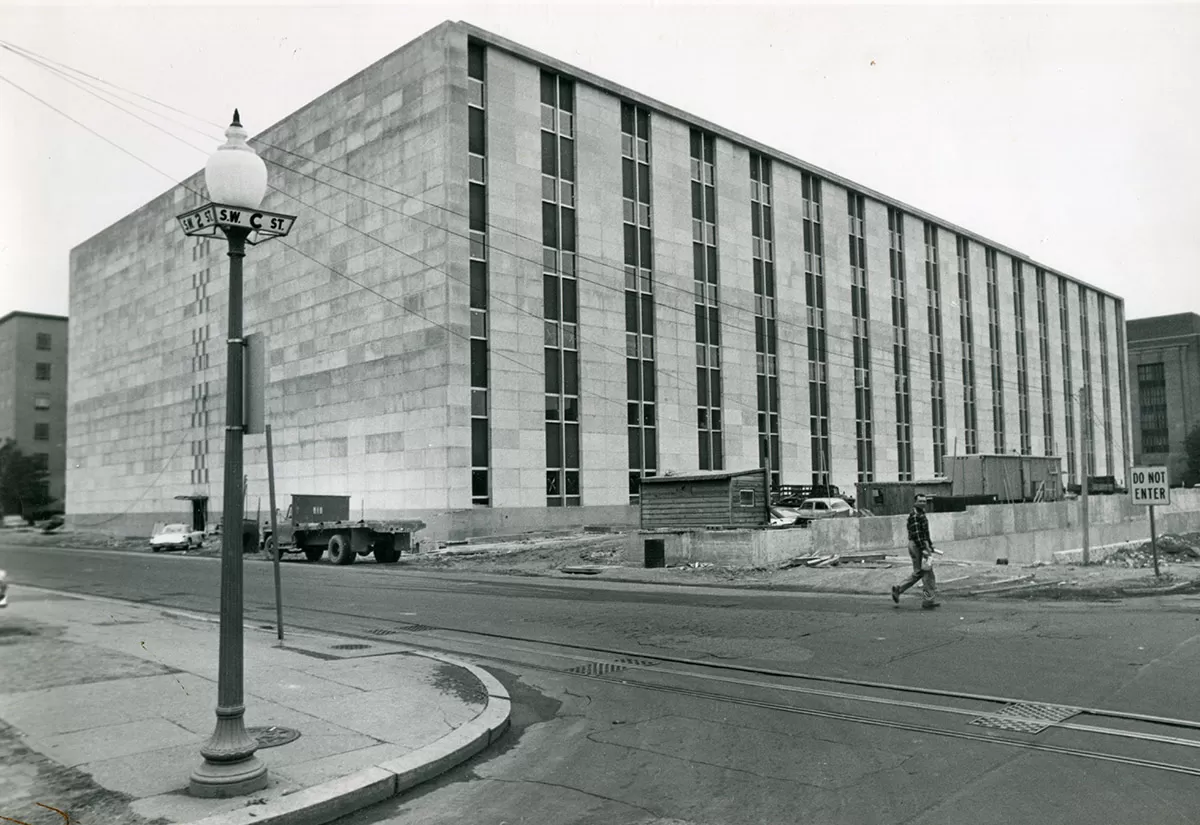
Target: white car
<point>176,537</point>
<point>817,508</point>
<point>3,589</point>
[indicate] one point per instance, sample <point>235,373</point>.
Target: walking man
<point>920,550</point>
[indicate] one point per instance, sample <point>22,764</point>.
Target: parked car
<point>3,589</point>
<point>819,508</point>
<point>176,537</point>
<point>784,516</point>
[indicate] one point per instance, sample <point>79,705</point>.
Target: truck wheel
<point>339,549</point>
<point>269,548</point>
<point>386,552</point>
<point>314,553</point>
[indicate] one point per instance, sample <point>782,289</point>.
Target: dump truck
<point>316,523</point>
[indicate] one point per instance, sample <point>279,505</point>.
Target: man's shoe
<point>931,605</point>
<point>896,593</point>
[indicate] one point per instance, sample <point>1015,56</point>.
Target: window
<point>42,371</point>
<point>41,431</point>
<point>746,498</point>
<point>41,402</point>
<point>477,251</point>
<point>1152,404</point>
<point>43,340</point>
<point>41,461</point>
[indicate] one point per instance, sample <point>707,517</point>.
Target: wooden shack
<point>694,501</point>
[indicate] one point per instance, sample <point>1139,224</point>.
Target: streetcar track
<point>636,660</point>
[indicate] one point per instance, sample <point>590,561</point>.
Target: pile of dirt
<point>1171,548</point>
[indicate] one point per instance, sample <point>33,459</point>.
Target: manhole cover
<point>273,736</point>
<point>351,647</point>
<point>1026,717</point>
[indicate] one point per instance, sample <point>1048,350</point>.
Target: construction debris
<point>1170,548</point>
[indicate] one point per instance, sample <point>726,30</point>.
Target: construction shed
<point>893,498</point>
<point>1008,477</point>
<point>694,501</point>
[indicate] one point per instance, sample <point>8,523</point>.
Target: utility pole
<point>1083,458</point>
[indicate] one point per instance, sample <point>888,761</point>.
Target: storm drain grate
<point>1026,717</point>
<point>350,647</point>
<point>382,631</point>
<point>417,628</point>
<point>605,668</point>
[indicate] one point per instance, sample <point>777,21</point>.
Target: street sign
<point>205,220</point>
<point>1149,486</point>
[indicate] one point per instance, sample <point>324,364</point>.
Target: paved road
<point>607,731</point>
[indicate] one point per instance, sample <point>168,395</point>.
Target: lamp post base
<point>221,780</point>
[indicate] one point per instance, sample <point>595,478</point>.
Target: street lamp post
<point>236,178</point>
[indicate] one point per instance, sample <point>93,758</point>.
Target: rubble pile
<point>1171,548</point>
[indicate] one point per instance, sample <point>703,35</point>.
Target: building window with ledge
<point>41,402</point>
<point>639,297</point>
<point>477,253</point>
<point>564,483</point>
<point>762,227</point>
<point>42,371</point>
<point>706,284</point>
<point>41,431</point>
<point>900,359</point>
<point>43,340</point>
<point>41,461</point>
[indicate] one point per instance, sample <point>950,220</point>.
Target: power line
<point>604,263</point>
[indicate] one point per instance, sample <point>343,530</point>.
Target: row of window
<point>477,186</point>
<point>863,421</point>
<point>1152,407</point>
<point>561,346</point>
<point>563,474</point>
<point>639,297</point>
<point>762,234</point>
<point>966,326</point>
<point>900,363</point>
<point>711,447</point>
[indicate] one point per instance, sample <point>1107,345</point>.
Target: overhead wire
<point>604,263</point>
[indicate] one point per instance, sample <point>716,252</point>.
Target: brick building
<point>568,286</point>
<point>33,390</point>
<point>1164,363</point>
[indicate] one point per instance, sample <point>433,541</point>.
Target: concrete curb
<point>369,786</point>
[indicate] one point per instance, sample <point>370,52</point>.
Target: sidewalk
<point>104,706</point>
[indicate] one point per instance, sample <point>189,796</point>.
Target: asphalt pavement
<point>639,703</point>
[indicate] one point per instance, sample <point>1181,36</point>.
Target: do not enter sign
<point>1149,486</point>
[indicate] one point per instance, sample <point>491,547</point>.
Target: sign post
<point>1150,486</point>
<point>274,543</point>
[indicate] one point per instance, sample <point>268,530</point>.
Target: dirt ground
<point>598,555</point>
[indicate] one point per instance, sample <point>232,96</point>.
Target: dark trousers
<point>926,577</point>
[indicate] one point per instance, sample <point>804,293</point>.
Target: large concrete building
<point>1164,361</point>
<point>515,288</point>
<point>33,391</point>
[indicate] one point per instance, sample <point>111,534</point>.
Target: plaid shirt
<point>918,529</point>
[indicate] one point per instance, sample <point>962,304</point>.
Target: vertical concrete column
<point>883,366</point>
<point>738,354</point>
<point>977,260</point>
<point>671,197</point>
<point>515,282</point>
<point>603,392</point>
<point>791,323</point>
<point>952,342</point>
<point>918,347</point>
<point>839,324</point>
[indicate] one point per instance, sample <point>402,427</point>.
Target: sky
<point>1070,133</point>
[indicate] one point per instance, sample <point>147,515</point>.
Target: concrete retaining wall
<point>737,548</point>
<point>1023,533</point>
